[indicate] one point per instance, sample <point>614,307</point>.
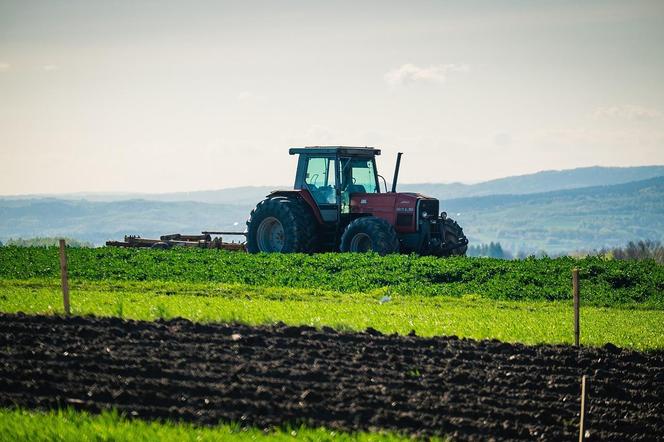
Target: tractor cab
<point>332,174</point>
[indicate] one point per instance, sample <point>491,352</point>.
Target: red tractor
<point>336,204</point>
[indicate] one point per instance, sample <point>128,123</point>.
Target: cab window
<point>320,180</point>
<point>359,176</point>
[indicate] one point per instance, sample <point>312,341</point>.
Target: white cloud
<point>249,97</point>
<point>502,139</point>
<point>50,67</point>
<point>410,73</point>
<point>628,112</point>
<point>318,135</point>
<point>4,67</point>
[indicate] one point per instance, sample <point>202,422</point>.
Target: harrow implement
<point>203,241</point>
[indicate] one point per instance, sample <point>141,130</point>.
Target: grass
<point>68,425</point>
<point>604,282</point>
<point>469,316</point>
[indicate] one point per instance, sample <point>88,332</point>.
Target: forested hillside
<point>563,221</point>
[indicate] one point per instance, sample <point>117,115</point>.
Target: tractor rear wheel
<point>370,234</point>
<point>281,225</point>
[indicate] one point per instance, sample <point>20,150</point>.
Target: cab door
<point>320,179</point>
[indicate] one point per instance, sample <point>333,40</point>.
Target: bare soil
<point>279,375</point>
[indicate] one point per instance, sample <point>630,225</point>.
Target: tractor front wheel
<point>453,235</point>
<point>281,225</point>
<point>370,234</point>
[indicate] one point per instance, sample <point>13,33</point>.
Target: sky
<point>159,96</point>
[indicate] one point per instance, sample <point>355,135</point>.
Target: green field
<point>72,426</point>
<point>604,282</point>
<point>515,301</point>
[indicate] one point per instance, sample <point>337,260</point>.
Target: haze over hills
<point>231,195</point>
<point>544,181</point>
<point>555,221</point>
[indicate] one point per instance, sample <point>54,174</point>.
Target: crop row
<point>604,282</point>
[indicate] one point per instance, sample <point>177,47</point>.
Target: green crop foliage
<point>604,282</point>
<point>469,316</point>
<point>73,426</point>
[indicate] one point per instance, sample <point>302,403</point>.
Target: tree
<point>647,249</point>
<point>46,242</point>
<point>491,250</point>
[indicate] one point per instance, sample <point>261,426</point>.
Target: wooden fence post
<point>575,290</point>
<point>582,418</point>
<point>63,276</point>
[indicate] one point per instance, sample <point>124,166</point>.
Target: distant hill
<point>565,220</point>
<point>546,181</point>
<point>555,222</point>
<point>98,222</point>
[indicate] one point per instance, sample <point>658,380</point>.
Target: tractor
<point>336,204</point>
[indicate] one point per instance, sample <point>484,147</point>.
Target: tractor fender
<point>302,194</point>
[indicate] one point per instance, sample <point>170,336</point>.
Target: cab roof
<point>335,150</point>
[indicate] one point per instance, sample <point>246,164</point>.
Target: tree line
<point>45,242</point>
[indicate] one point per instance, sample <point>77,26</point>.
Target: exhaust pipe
<point>396,172</point>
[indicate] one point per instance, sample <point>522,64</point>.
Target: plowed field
<point>270,376</point>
